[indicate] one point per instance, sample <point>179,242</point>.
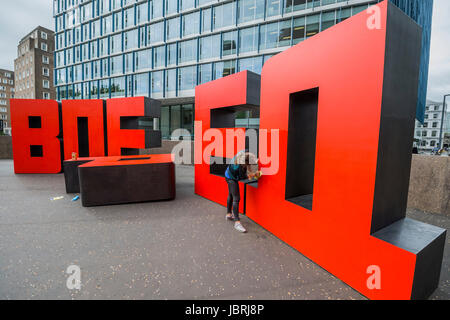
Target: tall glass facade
<point>164,48</point>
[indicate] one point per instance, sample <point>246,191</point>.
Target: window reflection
<point>229,40</point>
<point>118,87</point>
<point>141,85</point>
<point>209,47</point>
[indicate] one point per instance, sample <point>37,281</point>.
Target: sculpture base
<point>125,179</point>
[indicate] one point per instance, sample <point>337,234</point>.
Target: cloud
<point>439,75</point>
<point>17,19</point>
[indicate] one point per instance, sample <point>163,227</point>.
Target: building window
<point>155,33</point>
<point>128,17</point>
<point>104,89</point>
<point>187,51</point>
<point>171,54</point>
<point>45,60</point>
<point>209,47</point>
<point>248,39</point>
<point>116,43</point>
<point>45,95</point>
<point>129,62</point>
<point>328,19</point>
<point>294,5</point>
<point>44,46</point>
<point>298,34</point>
<point>130,39</point>
<point>107,24</point>
<point>205,73</point>
<point>187,4</point>
<point>171,6</point>
<point>87,71</point>
<point>250,10</point>
<point>273,8</point>
<point>173,28</point>
<point>143,59</point>
<point>224,15</point>
<point>170,85</point>
<point>142,13</point>
<point>141,85</point>
<point>159,57</point>
<point>229,43</point>
<point>187,78</point>
<point>157,84</point>
<point>156,9</point>
<point>117,21</point>
<point>224,68</point>
<point>206,20</point>
<point>46,84</point>
<point>116,65</point>
<point>45,72</point>
<point>191,23</point>
<point>176,117</point>
<point>252,64</point>
<point>44,35</point>
<point>118,87</point>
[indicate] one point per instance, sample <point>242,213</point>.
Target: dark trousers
<point>233,198</point>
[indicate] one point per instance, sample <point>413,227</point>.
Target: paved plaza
<point>181,249</point>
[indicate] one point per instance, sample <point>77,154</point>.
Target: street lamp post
<point>442,121</point>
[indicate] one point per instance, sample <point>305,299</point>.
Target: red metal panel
<point>93,110</point>
<point>124,138</point>
<point>226,92</point>
<point>46,136</point>
<point>346,63</point>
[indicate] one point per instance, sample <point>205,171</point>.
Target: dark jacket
<point>236,172</point>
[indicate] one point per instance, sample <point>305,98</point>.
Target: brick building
<point>33,66</point>
<point>6,93</point>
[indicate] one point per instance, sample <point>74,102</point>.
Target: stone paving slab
<point>181,249</point>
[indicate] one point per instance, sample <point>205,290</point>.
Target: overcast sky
<point>18,17</point>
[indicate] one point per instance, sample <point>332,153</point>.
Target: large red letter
<point>123,114</point>
<point>83,128</point>
<point>35,130</point>
<point>215,105</point>
<point>344,102</point>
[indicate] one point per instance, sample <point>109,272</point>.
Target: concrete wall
<point>429,186</point>
<point>5,147</point>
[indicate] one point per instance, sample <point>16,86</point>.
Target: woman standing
<point>242,167</point>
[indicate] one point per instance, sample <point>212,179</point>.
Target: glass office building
<point>164,48</point>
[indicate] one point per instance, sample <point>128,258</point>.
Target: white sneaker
<point>229,218</point>
<point>239,227</point>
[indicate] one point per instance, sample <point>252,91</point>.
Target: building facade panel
<point>164,48</point>
<point>427,134</point>
<point>7,92</point>
<point>34,65</point>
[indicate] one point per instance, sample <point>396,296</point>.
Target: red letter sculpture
<point>344,101</point>
<point>83,128</point>
<point>35,136</point>
<point>124,137</point>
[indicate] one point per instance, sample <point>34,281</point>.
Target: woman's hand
<point>255,175</point>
